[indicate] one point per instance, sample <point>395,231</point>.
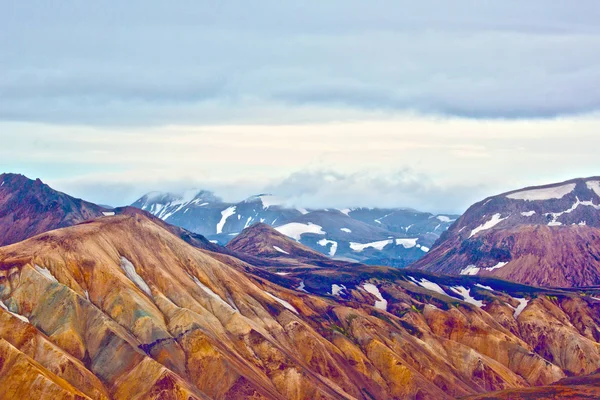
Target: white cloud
<point>438,164</point>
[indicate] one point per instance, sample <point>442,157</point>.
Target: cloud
<point>314,188</point>
<point>153,63</point>
<point>441,164</point>
<point>401,188</point>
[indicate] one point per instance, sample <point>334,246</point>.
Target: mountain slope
<point>261,240</point>
<point>580,388</point>
<point>546,236</point>
<point>169,312</point>
<point>30,207</point>
<point>129,310</point>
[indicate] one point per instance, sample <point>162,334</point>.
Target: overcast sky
<point>336,103</point>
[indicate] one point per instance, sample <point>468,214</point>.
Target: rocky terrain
<point>120,307</point>
<point>544,236</point>
<point>29,207</point>
<point>394,237</point>
<point>580,388</point>
<point>126,306</point>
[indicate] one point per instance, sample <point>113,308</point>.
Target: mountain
<point>204,213</point>
<point>122,307</point>
<point>546,236</point>
<point>375,236</point>
<point>261,240</point>
<point>29,207</point>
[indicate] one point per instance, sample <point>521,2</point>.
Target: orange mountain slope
<point>121,308</point>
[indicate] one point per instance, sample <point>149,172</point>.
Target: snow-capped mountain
<point>546,235</point>
<point>368,235</point>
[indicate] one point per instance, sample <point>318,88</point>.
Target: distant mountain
<point>29,207</point>
<point>262,240</point>
<point>393,237</point>
<point>547,236</point>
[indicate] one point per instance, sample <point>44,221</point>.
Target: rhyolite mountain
<point>121,308</point>
<point>262,240</point>
<point>127,306</point>
<point>394,237</point>
<point>545,236</point>
<point>29,207</point>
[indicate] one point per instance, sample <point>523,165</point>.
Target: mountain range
<point>378,236</point>
<point>124,305</point>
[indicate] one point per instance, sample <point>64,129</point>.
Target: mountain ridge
<point>29,207</point>
<point>542,235</point>
<point>356,234</point>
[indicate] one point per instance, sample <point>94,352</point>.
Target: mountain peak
<point>263,240</point>
<point>532,235</point>
<point>29,207</point>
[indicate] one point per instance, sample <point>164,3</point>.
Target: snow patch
<point>466,295</point>
<point>346,230</point>
<point>226,213</point>
<point>527,213</point>
<point>336,289</point>
<point>555,216</point>
<point>302,211</point>
<point>379,245</point>
<point>21,317</point>
<point>469,270</point>
<point>594,185</point>
<point>301,287</point>
<point>212,294</point>
<point>495,220</point>
<point>282,273</point>
<point>424,248</point>
<point>295,230</point>
<point>279,249</point>
<point>556,192</point>
<point>132,274</point>
<point>381,303</point>
<point>332,249</point>
<point>108,213</point>
<point>484,287</point>
<point>429,285</point>
<point>407,243</point>
<point>522,304</point>
<point>499,265</point>
<point>345,211</point>
<point>45,272</point>
<point>444,218</point>
<point>282,302</point>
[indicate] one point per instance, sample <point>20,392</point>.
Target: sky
<point>327,104</point>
